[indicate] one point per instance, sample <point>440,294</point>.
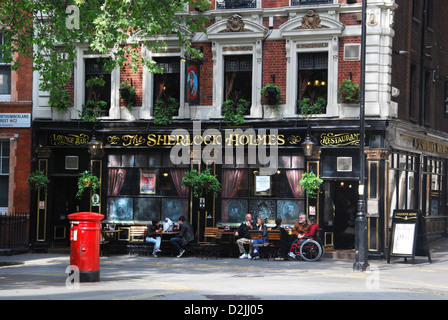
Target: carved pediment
<point>235,24</point>
<point>311,24</point>
<point>235,27</point>
<point>311,21</point>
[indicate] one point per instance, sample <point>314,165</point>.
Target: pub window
<point>238,78</point>
<point>145,185</point>
<point>313,78</point>
<point>94,68</point>
<point>4,175</point>
<point>5,71</point>
<point>433,185</point>
<point>403,181</point>
<point>167,84</point>
<point>284,200</point>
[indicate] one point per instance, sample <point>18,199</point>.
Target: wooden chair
<point>258,235</point>
<point>136,242</point>
<point>211,247</point>
<point>274,238</point>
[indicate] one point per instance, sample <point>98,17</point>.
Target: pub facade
<point>304,49</point>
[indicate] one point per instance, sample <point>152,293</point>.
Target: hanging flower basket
<point>310,184</point>
<point>87,181</point>
<point>38,180</point>
<point>201,183</point>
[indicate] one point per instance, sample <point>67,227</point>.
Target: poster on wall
<point>192,83</point>
<point>147,182</point>
<point>262,185</point>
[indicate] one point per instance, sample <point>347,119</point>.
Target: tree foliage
<point>50,31</point>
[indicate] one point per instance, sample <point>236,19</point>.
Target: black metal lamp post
<point>361,263</point>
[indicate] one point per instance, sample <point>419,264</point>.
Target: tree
<point>49,32</point>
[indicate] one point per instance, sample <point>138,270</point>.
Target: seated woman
<point>153,236</point>
<point>262,227</point>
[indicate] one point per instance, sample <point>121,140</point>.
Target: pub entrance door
<point>342,198</point>
<point>63,201</point>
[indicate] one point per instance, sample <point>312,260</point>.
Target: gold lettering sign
<point>430,146</point>
<point>69,139</point>
<point>233,139</point>
<point>339,139</point>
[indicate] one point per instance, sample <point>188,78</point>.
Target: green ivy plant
<point>278,97</point>
<point>87,181</point>
<point>310,184</point>
<point>309,109</point>
<point>233,112</point>
<point>92,109</point>
<point>127,93</point>
<point>59,99</point>
<point>349,92</point>
<point>38,180</point>
<point>165,110</point>
<point>201,183</point>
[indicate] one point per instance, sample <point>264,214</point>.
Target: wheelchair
<point>311,249</point>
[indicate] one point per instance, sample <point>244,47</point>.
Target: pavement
<point>191,280</point>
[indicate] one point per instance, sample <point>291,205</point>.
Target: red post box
<point>85,233</point>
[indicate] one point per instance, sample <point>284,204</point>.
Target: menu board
<point>403,241</point>
<point>407,235</point>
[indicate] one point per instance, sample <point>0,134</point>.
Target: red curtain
<point>177,175</point>
<point>115,182</point>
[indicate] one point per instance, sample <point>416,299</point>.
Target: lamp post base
<point>361,261</point>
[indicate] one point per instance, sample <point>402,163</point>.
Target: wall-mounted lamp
<point>308,145</point>
<point>96,148</point>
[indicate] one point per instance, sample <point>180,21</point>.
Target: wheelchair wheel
<point>311,250</point>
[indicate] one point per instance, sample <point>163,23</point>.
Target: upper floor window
<point>5,70</point>
<point>313,76</point>
<point>236,4</point>
<point>167,84</point>
<point>94,69</point>
<point>238,78</point>
<point>309,2</point>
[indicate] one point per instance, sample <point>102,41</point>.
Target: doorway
<point>345,199</point>
<point>63,201</point>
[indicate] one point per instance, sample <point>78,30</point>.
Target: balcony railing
<point>309,2</point>
<point>236,4</point>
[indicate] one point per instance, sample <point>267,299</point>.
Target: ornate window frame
<point>311,33</point>
<point>236,36</point>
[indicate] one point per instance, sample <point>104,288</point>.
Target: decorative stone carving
<point>377,153</point>
<point>235,24</point>
<point>311,21</point>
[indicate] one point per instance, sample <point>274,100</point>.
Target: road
<point>43,277</point>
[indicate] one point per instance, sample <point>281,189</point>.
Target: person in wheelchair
<point>308,232</point>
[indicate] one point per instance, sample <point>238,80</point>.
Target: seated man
<point>299,230</point>
<point>152,235</point>
<point>244,237</point>
<point>284,240</point>
<point>186,235</point>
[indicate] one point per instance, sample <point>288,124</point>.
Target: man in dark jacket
<point>186,235</point>
<point>244,237</point>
